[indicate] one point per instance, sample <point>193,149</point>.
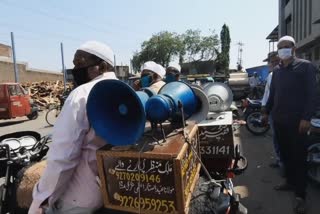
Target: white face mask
<point>285,53</point>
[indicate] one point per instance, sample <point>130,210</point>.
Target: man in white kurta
<point>69,183</point>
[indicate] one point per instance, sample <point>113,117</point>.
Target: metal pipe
<point>16,72</point>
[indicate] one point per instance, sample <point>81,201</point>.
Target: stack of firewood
<point>46,93</point>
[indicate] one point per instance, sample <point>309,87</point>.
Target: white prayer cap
<point>175,66</point>
<point>100,50</point>
<point>154,67</point>
<point>287,38</point>
<point>150,65</point>
<point>160,70</point>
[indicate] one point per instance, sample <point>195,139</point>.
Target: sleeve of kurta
<point>266,91</point>
<point>270,101</point>
<point>65,150</point>
<point>310,93</point>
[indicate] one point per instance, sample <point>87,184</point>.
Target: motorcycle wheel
<point>255,129</point>
<point>313,159</point>
<point>52,115</point>
<point>2,208</point>
<point>6,205</point>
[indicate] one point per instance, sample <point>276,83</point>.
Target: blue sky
<point>39,26</point>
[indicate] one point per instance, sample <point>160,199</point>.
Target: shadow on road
<point>9,123</point>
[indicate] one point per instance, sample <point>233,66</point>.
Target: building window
<point>310,16</point>
<point>288,26</point>
<point>309,56</point>
<point>305,17</point>
<point>300,19</point>
<point>317,53</point>
<point>296,15</point>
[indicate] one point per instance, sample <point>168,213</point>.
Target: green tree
<point>161,48</point>
<point>197,47</point>
<point>223,59</point>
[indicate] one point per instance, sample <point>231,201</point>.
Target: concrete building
<point>26,74</point>
<point>122,72</point>
<point>301,19</point>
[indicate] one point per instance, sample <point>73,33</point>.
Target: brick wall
<point>25,74</point>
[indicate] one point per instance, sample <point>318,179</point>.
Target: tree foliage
<point>160,48</point>
<point>223,59</point>
<point>165,46</point>
<point>199,48</point>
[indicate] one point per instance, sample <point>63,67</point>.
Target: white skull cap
<point>154,67</point>
<point>98,49</point>
<point>287,38</point>
<point>150,65</point>
<point>175,66</point>
<point>160,70</point>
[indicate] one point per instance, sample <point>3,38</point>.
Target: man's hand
<point>304,126</point>
<point>136,85</point>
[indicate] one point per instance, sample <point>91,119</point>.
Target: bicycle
<point>54,111</point>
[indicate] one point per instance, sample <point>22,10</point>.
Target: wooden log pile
<point>46,93</point>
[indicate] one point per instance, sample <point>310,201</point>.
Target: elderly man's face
<point>286,50</point>
<point>83,59</point>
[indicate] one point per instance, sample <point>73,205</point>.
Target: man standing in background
<point>273,60</point>
<point>292,104</point>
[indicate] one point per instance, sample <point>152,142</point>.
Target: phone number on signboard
<point>130,176</point>
<point>164,206</point>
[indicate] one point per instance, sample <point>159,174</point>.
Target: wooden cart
<point>159,179</point>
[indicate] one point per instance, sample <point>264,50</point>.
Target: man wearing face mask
<point>69,183</point>
<point>292,104</point>
<point>173,72</point>
<point>273,60</point>
<point>151,76</point>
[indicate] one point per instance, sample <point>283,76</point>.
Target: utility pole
<point>115,64</point>
<point>240,45</point>
<point>63,68</point>
<point>16,72</point>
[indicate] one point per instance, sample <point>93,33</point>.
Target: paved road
<point>24,124</point>
<point>255,185</point>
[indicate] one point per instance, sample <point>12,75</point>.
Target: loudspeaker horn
<point>202,109</point>
<point>219,95</point>
<point>166,105</point>
<point>116,112</point>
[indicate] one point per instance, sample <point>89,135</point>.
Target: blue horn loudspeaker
<point>165,105</point>
<point>116,112</point>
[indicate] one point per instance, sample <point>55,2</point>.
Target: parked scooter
<point>18,151</point>
<point>253,117</point>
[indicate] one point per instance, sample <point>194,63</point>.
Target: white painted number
<point>215,150</point>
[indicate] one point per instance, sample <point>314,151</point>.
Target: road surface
<point>256,184</point>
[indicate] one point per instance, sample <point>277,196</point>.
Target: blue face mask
<point>170,78</point>
<point>145,81</point>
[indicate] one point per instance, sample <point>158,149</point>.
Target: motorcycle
<point>18,151</point>
<point>313,148</point>
<point>216,197</point>
<point>253,117</point>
